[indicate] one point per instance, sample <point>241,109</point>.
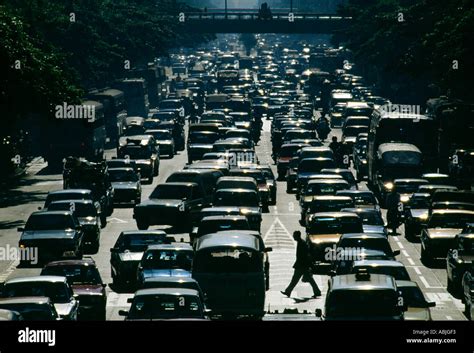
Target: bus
<point>416,129</point>
<point>75,136</point>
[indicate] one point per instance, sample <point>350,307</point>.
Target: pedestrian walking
<point>302,267</point>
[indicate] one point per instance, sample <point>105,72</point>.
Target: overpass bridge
<point>251,21</point>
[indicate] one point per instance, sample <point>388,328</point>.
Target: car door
<point>196,202</point>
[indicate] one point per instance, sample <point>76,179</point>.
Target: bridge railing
<point>254,15</point>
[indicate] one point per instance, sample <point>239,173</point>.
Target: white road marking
<point>116,220</point>
<point>400,245</point>
<point>426,284</point>
<point>449,317</point>
<point>411,261</point>
<point>10,269</point>
<point>405,253</point>
<point>417,270</point>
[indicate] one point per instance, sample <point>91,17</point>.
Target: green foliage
<point>406,58</point>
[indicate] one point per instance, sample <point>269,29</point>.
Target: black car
<point>86,283</point>
<point>200,143</point>
<point>164,141</point>
<point>127,185</point>
<point>468,292</point>
<point>460,257</point>
<point>142,150</point>
<point>171,203</point>
<point>214,224</point>
<point>128,251</point>
<point>416,213</point>
<point>56,235</point>
<point>88,218</point>
<point>77,194</point>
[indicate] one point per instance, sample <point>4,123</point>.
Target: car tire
<point>467,310</point>
<point>142,225</point>
<point>94,249</point>
<point>150,179</point>
<point>425,256</point>
<point>156,169</point>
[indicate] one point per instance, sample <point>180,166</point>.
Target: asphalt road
<point>17,203</point>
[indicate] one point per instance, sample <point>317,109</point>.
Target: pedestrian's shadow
<point>301,300</point>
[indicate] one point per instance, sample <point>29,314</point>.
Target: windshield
<point>398,272</point>
<point>50,222</point>
<point>171,192</point>
<point>138,242</point>
<point>419,202</point>
<point>32,311</point>
<point>204,138</point>
<point>76,274</point>
<point>163,306</point>
<point>407,188</point>
<point>232,260</point>
<point>335,226</point>
<point>362,303</point>
<point>452,220</point>
<point>243,199</point>
<point>136,152</point>
<point>231,184</point>
<point>161,135</point>
<point>413,297</point>
<point>323,189</point>
<point>289,151</point>
<point>371,218</point>
<point>353,131</point>
<point>328,206</point>
<point>79,209</point>
<point>222,225</point>
<point>57,292</point>
<point>314,166</point>
<point>371,244</point>
<point>122,175</point>
<point>167,259</point>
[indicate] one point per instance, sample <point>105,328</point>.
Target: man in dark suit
<point>302,267</point>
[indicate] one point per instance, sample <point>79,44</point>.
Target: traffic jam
<point>197,188</point>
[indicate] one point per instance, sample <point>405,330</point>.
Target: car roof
<point>124,169</point>
<point>221,239</point>
<point>363,236</point>
<point>332,198</point>
<point>167,291</point>
<point>334,215</point>
<point>69,191</point>
<point>355,192</point>
<point>239,190</point>
<point>236,178</point>
<point>410,180</point>
<point>84,262</point>
<point>328,181</point>
<point>144,232</point>
<point>374,263</point>
<point>182,184</point>
<point>398,147</point>
<point>170,279</point>
<point>224,218</point>
<point>358,210</point>
<point>452,212</point>
<point>55,279</point>
<point>406,284</point>
<point>25,300</point>
<point>172,246</point>
<point>351,282</point>
<point>45,213</point>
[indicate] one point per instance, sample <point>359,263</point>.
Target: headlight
<point>388,186</point>
<point>404,198</point>
<point>364,161</point>
<point>423,217</point>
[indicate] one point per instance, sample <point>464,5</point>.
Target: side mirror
<point>113,250</point>
<point>20,229</point>
<point>104,285</point>
<point>430,304</point>
<point>332,273</point>
<point>396,252</point>
<point>40,208</point>
<point>130,300</point>
<point>318,313</point>
<point>268,249</point>
<point>123,312</point>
